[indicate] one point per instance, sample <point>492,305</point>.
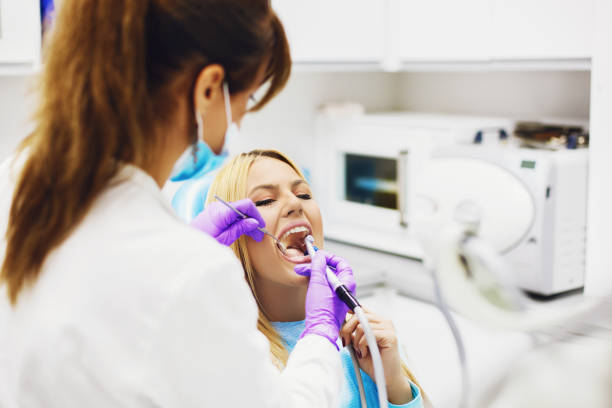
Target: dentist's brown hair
<point>110,78</point>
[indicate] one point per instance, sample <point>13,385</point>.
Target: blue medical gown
<point>195,179</point>
<point>349,393</point>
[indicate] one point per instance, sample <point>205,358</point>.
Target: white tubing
<point>362,398</point>
<point>445,310</point>
<point>379,374</point>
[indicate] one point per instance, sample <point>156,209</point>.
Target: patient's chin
<point>303,281</point>
<point>297,280</point>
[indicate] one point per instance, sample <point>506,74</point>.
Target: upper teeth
<point>294,230</point>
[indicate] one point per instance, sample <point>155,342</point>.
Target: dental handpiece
<point>339,288</point>
<point>347,297</point>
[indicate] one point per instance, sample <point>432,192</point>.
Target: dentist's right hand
<point>325,313</point>
<point>225,225</point>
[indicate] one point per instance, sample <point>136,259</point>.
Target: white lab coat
<point>137,309</point>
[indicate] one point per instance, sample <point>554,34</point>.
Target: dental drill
<point>349,299</point>
<point>341,290</point>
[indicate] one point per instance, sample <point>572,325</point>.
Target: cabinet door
<point>333,31</point>
<point>19,31</point>
<point>542,29</point>
<point>438,30</point>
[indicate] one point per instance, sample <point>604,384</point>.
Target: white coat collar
<point>135,174</point>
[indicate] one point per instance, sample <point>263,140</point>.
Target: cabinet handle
<point>402,197</point>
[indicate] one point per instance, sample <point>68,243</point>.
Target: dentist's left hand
<point>226,226</point>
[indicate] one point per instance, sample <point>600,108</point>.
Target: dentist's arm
<point>210,353</point>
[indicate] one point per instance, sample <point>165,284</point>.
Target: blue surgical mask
<point>199,159</point>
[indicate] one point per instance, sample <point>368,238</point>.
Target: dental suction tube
<point>347,297</point>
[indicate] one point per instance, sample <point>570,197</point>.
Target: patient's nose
<point>294,207</point>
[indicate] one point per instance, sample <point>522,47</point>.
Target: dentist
<point>106,298</point>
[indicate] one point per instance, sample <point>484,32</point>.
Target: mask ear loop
<point>199,126</point>
<point>199,136</point>
<point>228,106</point>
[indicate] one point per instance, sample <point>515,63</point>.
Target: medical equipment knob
<point>468,214</point>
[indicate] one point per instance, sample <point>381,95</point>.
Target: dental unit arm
<point>472,278</point>
<point>349,299</point>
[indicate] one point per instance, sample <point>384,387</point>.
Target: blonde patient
<point>284,199</point>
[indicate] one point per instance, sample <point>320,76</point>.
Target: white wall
<point>517,94</point>
<point>15,109</point>
<point>287,122</point>
<point>599,223</point>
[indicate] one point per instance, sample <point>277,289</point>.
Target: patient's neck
<point>281,303</point>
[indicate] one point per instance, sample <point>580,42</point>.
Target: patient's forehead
<point>267,170</point>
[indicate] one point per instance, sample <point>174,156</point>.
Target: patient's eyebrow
<point>298,182</point>
<point>275,187</point>
<point>263,187</point>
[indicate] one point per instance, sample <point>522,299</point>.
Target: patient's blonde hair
<point>230,184</point>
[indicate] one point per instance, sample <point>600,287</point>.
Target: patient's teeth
<point>295,230</point>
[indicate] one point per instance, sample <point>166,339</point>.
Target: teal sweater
<point>349,395</point>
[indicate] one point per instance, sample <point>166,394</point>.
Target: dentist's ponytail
<point>113,72</point>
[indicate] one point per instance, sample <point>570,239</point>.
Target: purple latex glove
<point>225,225</point>
<point>325,313</point>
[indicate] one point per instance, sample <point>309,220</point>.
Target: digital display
<point>371,180</point>
<point>528,164</point>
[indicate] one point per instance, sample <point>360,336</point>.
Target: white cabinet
<point>19,32</point>
<point>334,31</point>
<point>542,29</point>
<point>495,30</point>
<point>439,30</point>
<point>388,32</point>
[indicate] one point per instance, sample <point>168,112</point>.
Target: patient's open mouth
<point>293,239</point>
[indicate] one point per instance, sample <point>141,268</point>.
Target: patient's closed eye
<point>268,201</point>
<point>264,202</point>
